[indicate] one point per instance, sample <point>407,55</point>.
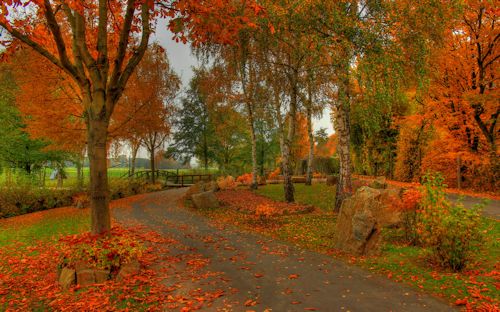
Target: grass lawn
<point>477,286</point>
<point>71,181</point>
<point>43,226</point>
<point>319,195</point>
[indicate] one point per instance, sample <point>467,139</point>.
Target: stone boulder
<point>67,278</point>
<point>361,219</point>
<point>130,268</point>
<point>379,183</point>
<point>205,200</point>
<point>331,180</point>
<point>200,187</point>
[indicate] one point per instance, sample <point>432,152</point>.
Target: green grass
<point>318,195</point>
<point>71,174</point>
<point>46,225</point>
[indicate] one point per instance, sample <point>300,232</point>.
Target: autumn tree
<point>148,101</point>
<point>18,149</point>
<point>358,32</point>
<point>463,99</point>
<point>99,44</point>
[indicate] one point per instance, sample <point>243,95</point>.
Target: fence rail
<point>170,178</point>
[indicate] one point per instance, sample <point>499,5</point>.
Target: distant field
<point>113,173</point>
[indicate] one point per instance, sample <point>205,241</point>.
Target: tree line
<point>411,85</point>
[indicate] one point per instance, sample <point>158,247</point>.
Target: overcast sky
<point>182,60</point>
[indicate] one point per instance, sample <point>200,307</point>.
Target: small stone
<point>101,275</point>
<point>82,265</point>
<point>132,267</point>
<point>67,278</point>
<point>85,277</point>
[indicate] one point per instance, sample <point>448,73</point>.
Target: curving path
<point>256,273</point>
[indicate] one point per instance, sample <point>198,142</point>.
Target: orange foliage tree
<point>99,43</point>
<point>464,97</point>
<point>147,105</point>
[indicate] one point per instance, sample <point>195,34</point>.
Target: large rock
<point>67,278</point>
<point>205,200</point>
<point>361,219</point>
<point>201,187</point>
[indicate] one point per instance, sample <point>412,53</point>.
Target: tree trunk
<point>254,184</point>
<point>135,149</point>
<point>310,157</point>
<point>27,167</point>
<point>79,180</point>
<point>99,192</point>
<point>341,112</point>
<point>152,162</point>
<point>287,146</point>
<point>205,151</point>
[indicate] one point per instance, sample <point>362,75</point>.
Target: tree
<point>463,99</point>
<point>17,148</point>
<point>148,101</point>
<point>194,132</point>
<point>360,32</point>
<point>99,45</point>
<point>289,53</point>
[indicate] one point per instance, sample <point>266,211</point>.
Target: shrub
<point>265,211</point>
<point>81,200</point>
<point>451,232</point>
<point>22,198</point>
<point>245,179</point>
<point>274,174</point>
<point>226,183</point>
<point>100,251</point>
<point>408,206</point>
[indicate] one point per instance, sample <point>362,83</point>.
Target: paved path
<point>490,210</point>
<point>274,275</point>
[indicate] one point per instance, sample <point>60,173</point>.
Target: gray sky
<point>182,60</point>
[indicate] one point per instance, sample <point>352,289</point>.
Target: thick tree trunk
<point>287,147</point>
<point>341,113</point>
<point>309,173</point>
<point>254,184</point>
<point>99,192</point>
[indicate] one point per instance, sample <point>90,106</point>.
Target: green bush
<point>22,198</point>
<point>450,231</point>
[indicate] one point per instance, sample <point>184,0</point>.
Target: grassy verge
<point>476,287</point>
<point>44,226</point>
<point>318,195</point>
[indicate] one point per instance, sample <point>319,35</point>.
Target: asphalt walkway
<point>257,273</point>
